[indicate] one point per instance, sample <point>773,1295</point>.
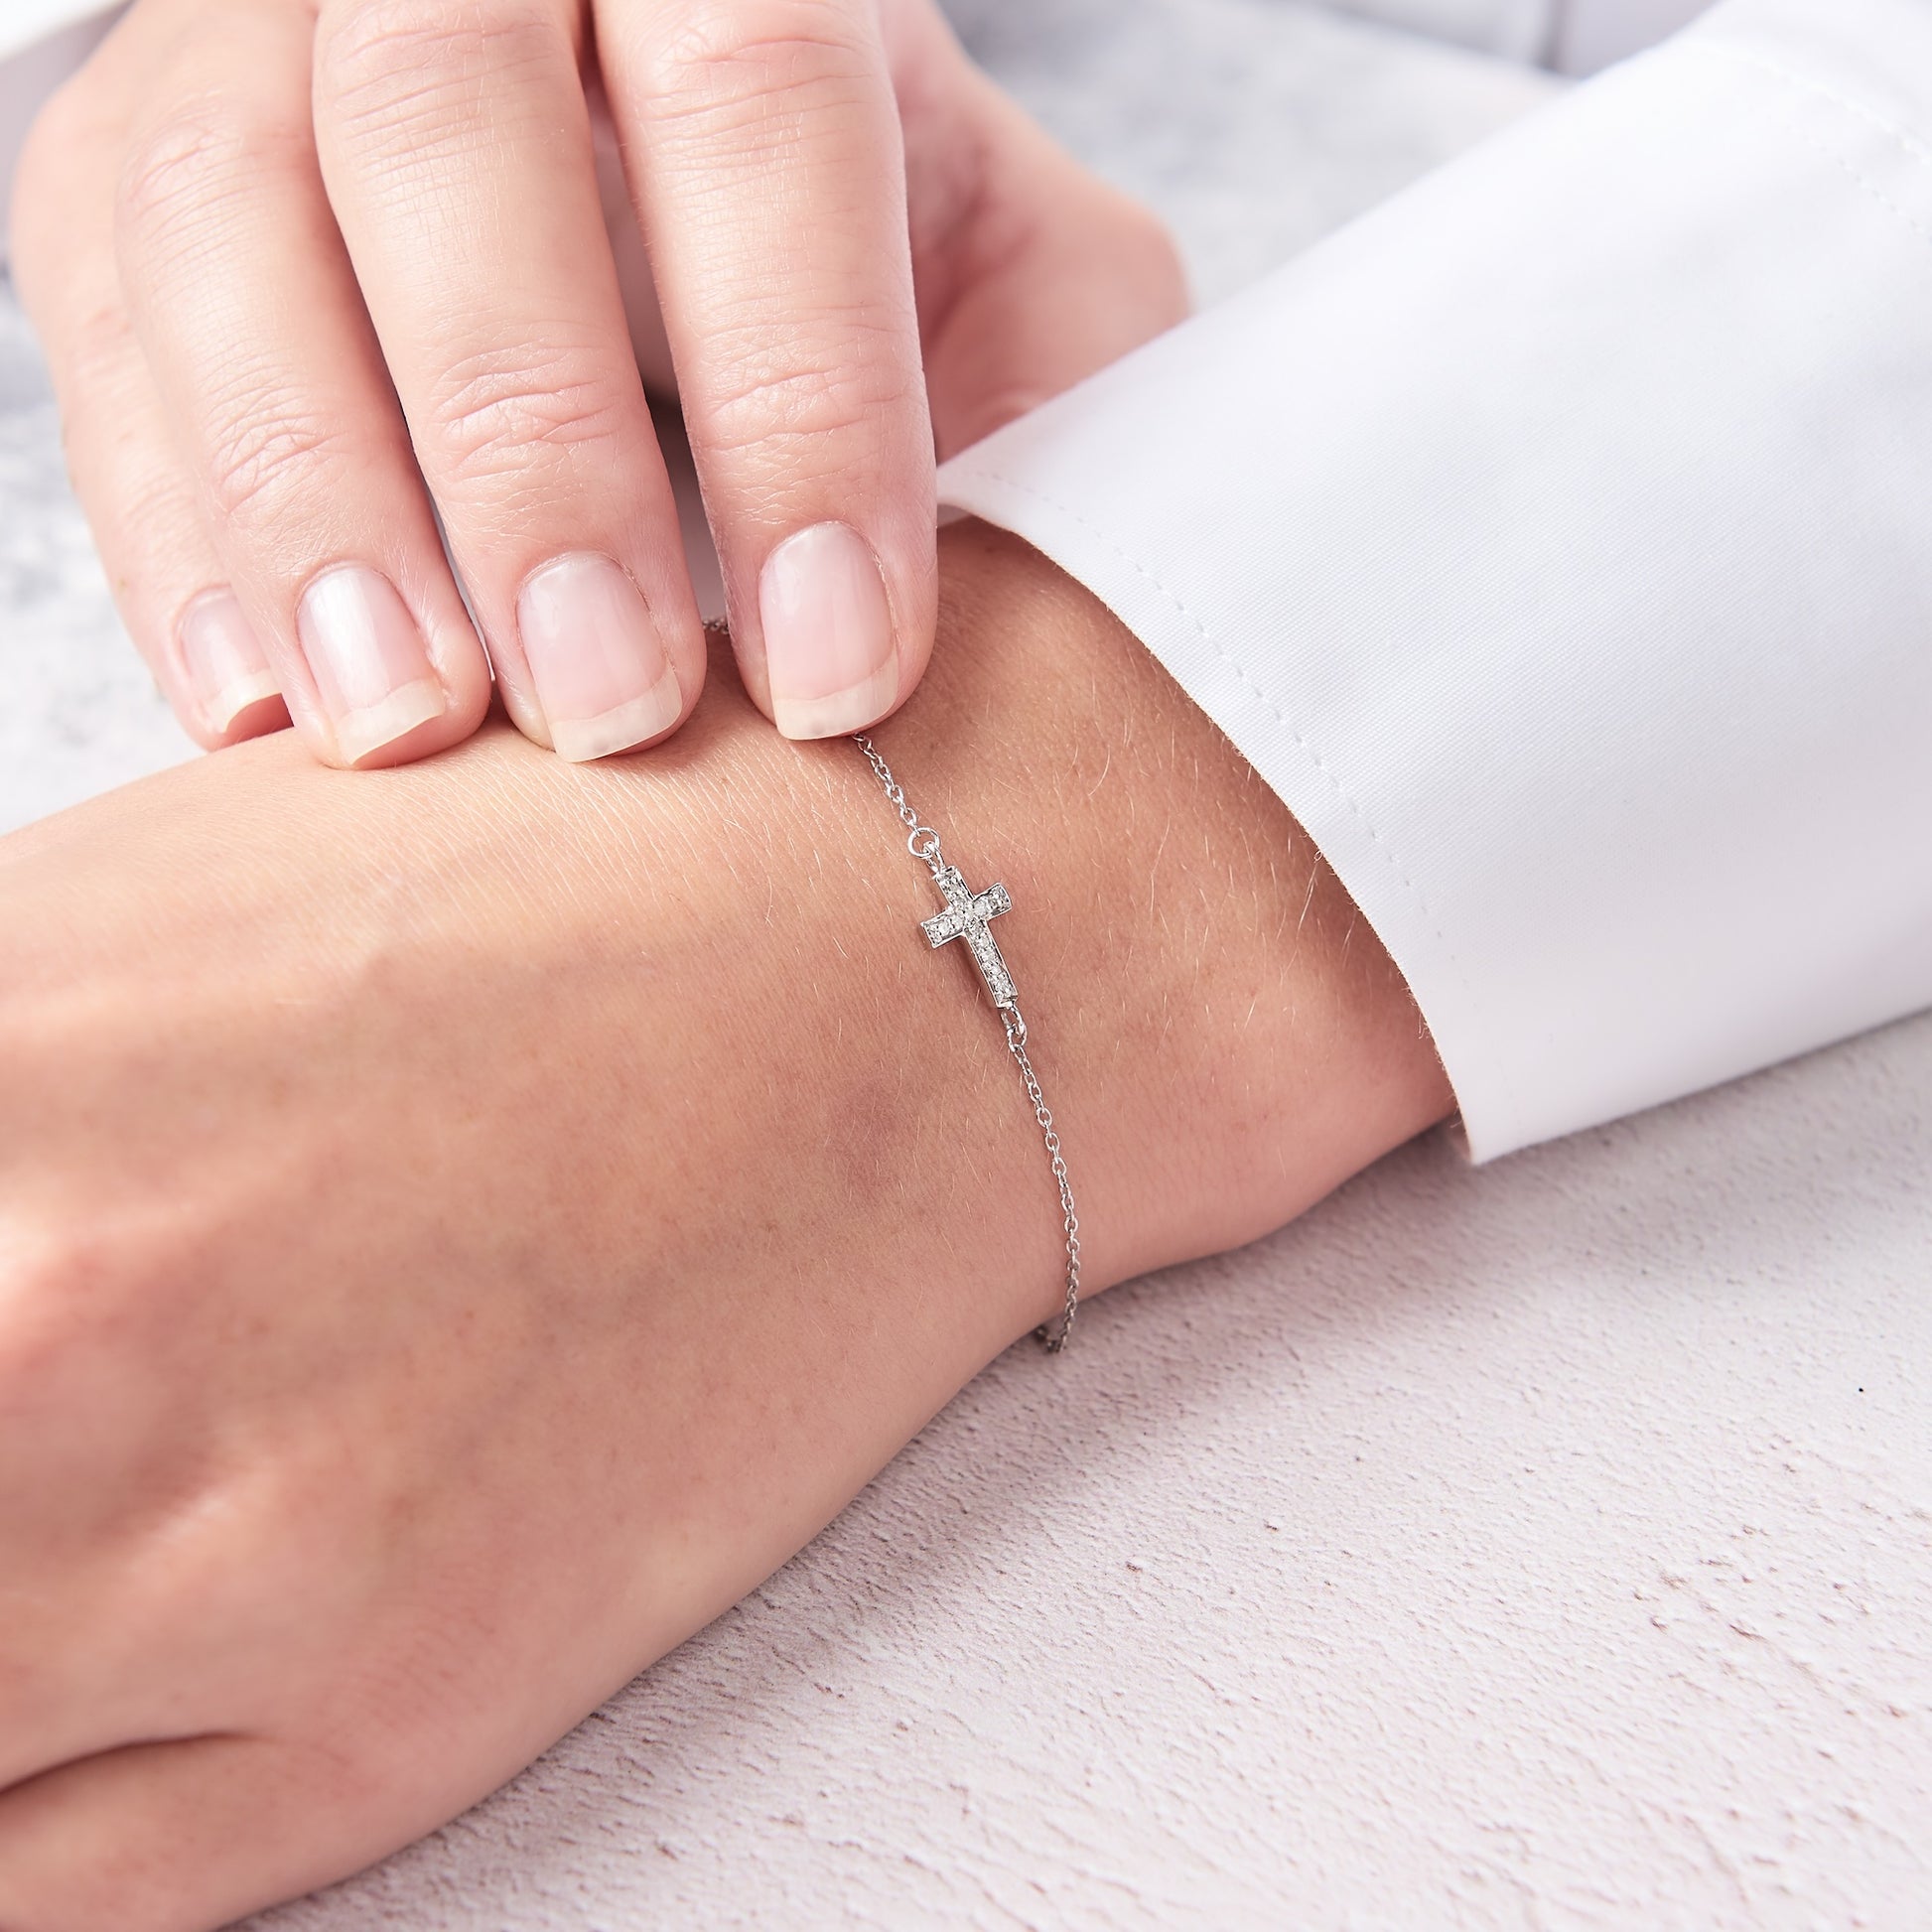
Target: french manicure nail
<point>602,676</point>
<point>829,654</point>
<point>366,655</point>
<point>223,659</point>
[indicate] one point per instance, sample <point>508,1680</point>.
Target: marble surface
<point>1542,1546</point>
<point>80,711</point>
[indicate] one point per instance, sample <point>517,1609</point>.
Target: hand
<point>312,273</point>
<point>386,1375</point>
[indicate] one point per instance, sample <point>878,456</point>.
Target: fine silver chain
<point>966,916</point>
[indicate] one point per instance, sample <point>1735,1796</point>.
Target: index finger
<point>767,164</point>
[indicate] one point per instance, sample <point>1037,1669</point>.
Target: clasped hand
<point>315,274</point>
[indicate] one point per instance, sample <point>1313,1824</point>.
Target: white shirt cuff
<point>1557,542</point>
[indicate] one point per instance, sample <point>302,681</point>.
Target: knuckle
<point>97,349</point>
<point>725,58</point>
<point>395,74</point>
<point>98,375</point>
<point>102,1378</point>
<point>177,165</point>
<point>268,454</point>
<point>58,1278</point>
<point>501,412</point>
<point>190,163</point>
<point>771,397</point>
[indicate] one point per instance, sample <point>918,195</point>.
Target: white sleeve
<point>1557,542</point>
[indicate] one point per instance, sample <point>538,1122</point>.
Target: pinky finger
<point>147,520</point>
<point>167,580</point>
<point>182,1836</point>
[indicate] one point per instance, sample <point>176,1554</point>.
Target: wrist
<point>1223,1039</point>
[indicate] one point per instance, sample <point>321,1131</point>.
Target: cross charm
<point>966,918</point>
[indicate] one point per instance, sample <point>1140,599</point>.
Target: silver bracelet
<point>968,915</point>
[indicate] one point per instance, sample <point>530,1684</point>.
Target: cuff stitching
<point>1909,145</point>
<point>1804,83</point>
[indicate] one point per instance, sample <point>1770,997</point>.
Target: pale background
<point>1542,1546</point>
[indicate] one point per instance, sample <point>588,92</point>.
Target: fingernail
<point>828,633</point>
<point>600,670</point>
<point>223,659</point>
<point>366,655</point>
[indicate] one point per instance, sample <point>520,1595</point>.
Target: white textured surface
<point>1549,1546</point>
<point>1541,1547</point>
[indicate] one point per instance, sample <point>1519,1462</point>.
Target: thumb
<point>1048,274</point>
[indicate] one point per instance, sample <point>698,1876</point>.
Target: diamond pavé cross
<point>966,918</point>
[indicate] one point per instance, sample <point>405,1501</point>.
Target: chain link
<point>1054,1337</point>
<point>921,840</point>
<point>923,844</point>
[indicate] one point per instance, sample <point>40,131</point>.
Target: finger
<point>455,143</point>
<point>247,309</point>
<point>766,163</point>
<point>1043,272</point>
<point>1032,271</point>
<point>139,499</point>
<point>169,584</point>
<point>185,1835</point>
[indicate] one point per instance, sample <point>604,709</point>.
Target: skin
<point>462,1229</point>
<point>312,273</point>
